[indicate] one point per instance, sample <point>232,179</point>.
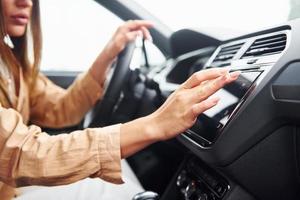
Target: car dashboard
<point>253,57</point>
<point>246,147</point>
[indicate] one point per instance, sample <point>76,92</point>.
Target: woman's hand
<point>178,113</point>
<point>126,33</point>
<point>182,108</point>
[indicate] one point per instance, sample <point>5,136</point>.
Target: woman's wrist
<point>145,127</point>
<point>151,128</point>
<point>137,134</point>
<point>99,68</point>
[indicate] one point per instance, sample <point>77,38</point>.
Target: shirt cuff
<point>91,87</point>
<point>110,155</point>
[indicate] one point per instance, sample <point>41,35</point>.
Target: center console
<point>222,133</point>
<point>247,146</point>
<point>195,180</point>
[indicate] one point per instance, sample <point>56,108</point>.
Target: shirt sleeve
<point>55,107</point>
<point>29,156</point>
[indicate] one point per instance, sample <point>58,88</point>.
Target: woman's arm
<point>52,106</point>
<point>29,156</point>
<point>178,113</point>
<point>124,34</point>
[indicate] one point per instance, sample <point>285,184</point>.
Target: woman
<point>29,156</point>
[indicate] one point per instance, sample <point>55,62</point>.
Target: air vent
<point>226,54</point>
<point>267,46</point>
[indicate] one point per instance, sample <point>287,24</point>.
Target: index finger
<point>212,86</point>
<point>204,75</point>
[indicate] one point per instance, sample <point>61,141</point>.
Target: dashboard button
<point>203,196</point>
<point>190,190</point>
<point>220,189</point>
<point>252,61</point>
<point>182,179</point>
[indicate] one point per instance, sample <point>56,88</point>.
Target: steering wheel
<point>102,112</point>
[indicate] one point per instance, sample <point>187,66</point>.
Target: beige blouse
<point>29,156</point>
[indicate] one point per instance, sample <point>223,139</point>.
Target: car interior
<point>247,147</point>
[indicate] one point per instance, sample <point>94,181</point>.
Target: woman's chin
<point>16,31</point>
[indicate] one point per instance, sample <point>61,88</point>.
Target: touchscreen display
<point>208,123</point>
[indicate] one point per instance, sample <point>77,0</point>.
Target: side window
<point>74,33</point>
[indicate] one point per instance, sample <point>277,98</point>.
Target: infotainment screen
<point>209,124</point>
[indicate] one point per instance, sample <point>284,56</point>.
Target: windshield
<point>222,19</point>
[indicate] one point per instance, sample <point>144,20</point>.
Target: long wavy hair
<point>21,56</point>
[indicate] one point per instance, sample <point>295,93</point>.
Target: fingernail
<point>235,74</point>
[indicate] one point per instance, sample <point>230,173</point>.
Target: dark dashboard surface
<point>249,120</point>
<point>236,124</point>
<point>252,136</point>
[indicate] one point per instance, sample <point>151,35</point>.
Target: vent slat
<point>267,46</point>
<point>226,54</point>
<point>223,58</point>
<point>265,50</point>
<point>270,39</point>
<point>236,46</point>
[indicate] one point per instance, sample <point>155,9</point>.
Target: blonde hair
<point>18,57</point>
